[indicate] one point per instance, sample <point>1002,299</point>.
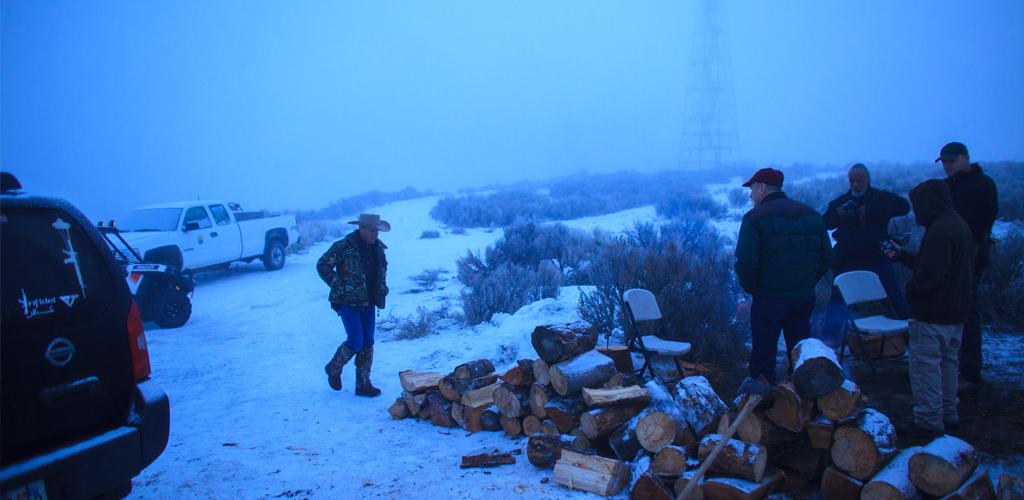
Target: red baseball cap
<point>768,176</point>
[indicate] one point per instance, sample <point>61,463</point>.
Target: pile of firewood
<point>603,431</point>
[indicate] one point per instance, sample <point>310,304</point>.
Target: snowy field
<point>252,415</point>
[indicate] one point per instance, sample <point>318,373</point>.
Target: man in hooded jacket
<point>939,296</point>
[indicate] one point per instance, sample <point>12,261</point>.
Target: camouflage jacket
<point>343,267</point>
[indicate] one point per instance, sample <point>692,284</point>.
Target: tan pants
<point>933,373</point>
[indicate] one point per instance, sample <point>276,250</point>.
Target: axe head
<point>754,387</point>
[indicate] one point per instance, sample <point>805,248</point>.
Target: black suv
<point>80,416</point>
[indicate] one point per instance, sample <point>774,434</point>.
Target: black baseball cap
<point>951,151</point>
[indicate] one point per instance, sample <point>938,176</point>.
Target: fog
<point>294,104</point>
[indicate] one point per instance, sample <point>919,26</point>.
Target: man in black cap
<point>781,253</point>
<point>861,218</point>
<point>976,201</point>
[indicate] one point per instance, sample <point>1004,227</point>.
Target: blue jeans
<point>836,313</point>
<point>359,325</point>
<point>768,317</point>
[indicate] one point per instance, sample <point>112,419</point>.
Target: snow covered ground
<point>252,415</point>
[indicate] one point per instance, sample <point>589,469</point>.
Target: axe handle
<point>752,402</point>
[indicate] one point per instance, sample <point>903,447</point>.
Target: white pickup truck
<point>202,235</point>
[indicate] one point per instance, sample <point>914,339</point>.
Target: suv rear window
<point>53,273</point>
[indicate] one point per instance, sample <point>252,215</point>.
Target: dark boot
<point>333,368</point>
<point>364,362</point>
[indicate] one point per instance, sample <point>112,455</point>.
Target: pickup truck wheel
<point>172,310</point>
<point>273,256</point>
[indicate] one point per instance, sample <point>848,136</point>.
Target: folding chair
<point>640,305</point>
<point>871,320</point>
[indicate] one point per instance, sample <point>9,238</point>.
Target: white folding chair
<point>871,315</point>
<point>640,305</point>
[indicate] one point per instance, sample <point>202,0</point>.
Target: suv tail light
<point>137,342</point>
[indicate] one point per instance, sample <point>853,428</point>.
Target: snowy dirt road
<point>252,415</point>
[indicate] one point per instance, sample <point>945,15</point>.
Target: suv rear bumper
<point>104,462</point>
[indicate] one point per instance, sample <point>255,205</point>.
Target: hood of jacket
<point>931,199</point>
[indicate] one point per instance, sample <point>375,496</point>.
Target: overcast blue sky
<point>294,104</point>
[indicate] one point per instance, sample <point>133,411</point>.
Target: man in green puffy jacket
<point>356,270</point>
<point>781,253</point>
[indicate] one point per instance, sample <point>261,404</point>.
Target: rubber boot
<point>334,366</point>
<point>364,362</point>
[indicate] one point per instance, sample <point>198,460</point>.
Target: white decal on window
<point>69,300</point>
<point>36,307</point>
<point>69,251</point>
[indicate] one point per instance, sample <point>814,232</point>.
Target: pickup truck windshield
<point>151,219</point>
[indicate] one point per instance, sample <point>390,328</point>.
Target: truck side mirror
<point>191,226</point>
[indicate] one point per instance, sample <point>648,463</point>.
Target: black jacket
<point>976,200</point>
<point>782,249</point>
<point>940,291</point>
<point>857,239</point>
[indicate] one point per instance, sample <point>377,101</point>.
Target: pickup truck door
<point>227,238</point>
<point>201,238</point>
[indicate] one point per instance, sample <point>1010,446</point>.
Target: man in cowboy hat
<point>356,270</point>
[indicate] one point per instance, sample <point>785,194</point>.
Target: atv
<point>161,292</point>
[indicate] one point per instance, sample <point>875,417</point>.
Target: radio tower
<point>709,131</point>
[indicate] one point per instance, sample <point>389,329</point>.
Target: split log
<point>453,388</point>
<point>603,476</point>
<point>531,425</point>
<point>820,431</point>
<point>521,374</point>
<point>789,410</point>
<point>614,383</point>
<point>1011,487</point>
<point>620,355</point>
<point>589,369</point>
<point>399,409</point>
<point>680,485</point>
<point>513,426</point>
<point>976,487</point>
<point>487,460</point>
<point>469,418</point>
<point>418,382</point>
<point>513,401</point>
<point>490,418</point>
<point>864,444</point>
<point>458,413</point>
<point>541,372</point>
<point>440,410</point>
<point>838,485</point>
<point>547,426</point>
<point>699,404</point>
<point>544,451</point>
<point>483,396</point>
<point>555,343</point>
<point>840,403</point>
<point>565,412</point>
<point>816,371</point>
<point>743,460</point>
<point>941,466</point>
<point>758,428</point>
<point>473,369</point>
<point>623,441</point>
<point>414,402</point>
<point>893,482</point>
<point>580,441</point>
<point>728,488</point>
<point>539,396</point>
<point>669,462</point>
<point>646,485</point>
<point>609,397</point>
<point>600,422</point>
